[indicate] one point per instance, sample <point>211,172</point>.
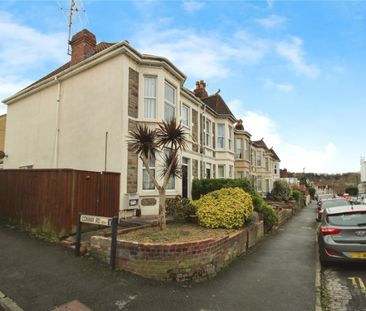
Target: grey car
<point>342,234</point>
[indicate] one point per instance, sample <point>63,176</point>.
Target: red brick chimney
<point>200,90</point>
<point>82,45</point>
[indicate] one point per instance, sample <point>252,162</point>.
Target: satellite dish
<point>2,155</point>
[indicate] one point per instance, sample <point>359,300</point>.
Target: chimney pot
<point>200,90</point>
<point>82,45</point>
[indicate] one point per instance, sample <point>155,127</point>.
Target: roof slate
<point>217,103</point>
<point>260,144</point>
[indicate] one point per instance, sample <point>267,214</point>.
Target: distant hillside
<point>337,181</point>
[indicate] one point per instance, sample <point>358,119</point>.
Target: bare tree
<point>168,139</point>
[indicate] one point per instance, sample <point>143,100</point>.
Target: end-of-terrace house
<point>79,116</point>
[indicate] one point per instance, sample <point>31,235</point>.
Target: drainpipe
<point>203,142</point>
<point>57,134</point>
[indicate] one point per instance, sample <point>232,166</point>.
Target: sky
<point>294,71</point>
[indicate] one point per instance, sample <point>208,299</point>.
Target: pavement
<point>278,274</point>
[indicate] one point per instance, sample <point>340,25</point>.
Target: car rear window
<point>325,196</point>
<point>335,203</point>
<point>348,219</point>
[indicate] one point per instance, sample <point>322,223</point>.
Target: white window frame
<point>167,102</point>
<point>258,161</point>
<point>229,138</point>
<point>152,167</point>
<point>208,132</point>
<point>259,183</point>
<point>231,168</point>
<point>237,154</point>
<point>246,150</point>
<point>184,106</point>
<point>218,171</point>
<point>153,116</point>
<point>220,144</point>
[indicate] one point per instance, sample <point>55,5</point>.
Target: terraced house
<point>83,111</point>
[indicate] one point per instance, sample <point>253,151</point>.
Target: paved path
<point>278,275</point>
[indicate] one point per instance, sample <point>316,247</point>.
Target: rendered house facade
<point>83,111</point>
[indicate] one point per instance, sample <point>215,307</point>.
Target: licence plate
<point>359,255</point>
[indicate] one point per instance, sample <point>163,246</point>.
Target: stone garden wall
<point>179,261</point>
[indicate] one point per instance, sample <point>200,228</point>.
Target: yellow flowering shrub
<point>226,208</point>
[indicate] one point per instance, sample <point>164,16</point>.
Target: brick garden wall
<point>179,261</point>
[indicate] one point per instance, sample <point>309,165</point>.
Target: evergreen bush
<point>227,208</point>
<point>200,187</point>
<point>269,217</point>
<point>281,191</point>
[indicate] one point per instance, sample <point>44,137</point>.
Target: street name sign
<point>96,220</point>
<point>101,221</point>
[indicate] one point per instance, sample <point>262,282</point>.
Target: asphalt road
<point>345,286</point>
<point>278,275</point>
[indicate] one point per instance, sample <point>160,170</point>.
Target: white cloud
<point>202,55</point>
<point>294,157</point>
<point>317,159</point>
<point>272,21</point>
<point>285,87</point>
<point>261,126</point>
<point>293,52</point>
<point>10,85</point>
<point>270,3</point>
<point>195,55</point>
<point>192,6</point>
<point>205,54</point>
<point>23,49</point>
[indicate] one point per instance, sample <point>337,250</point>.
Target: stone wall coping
<point>179,244</point>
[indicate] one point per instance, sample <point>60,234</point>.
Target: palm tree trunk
<point>162,219</point>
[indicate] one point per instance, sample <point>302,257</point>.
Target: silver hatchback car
<point>342,234</point>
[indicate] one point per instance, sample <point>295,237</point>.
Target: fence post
<point>114,242</point>
<point>78,236</point>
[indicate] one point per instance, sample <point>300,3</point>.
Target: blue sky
<point>295,71</point>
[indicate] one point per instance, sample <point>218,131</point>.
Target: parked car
<point>342,234</point>
<point>327,203</point>
<point>325,196</point>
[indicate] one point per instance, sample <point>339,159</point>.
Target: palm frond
<point>142,140</point>
<point>170,158</point>
<point>172,135</point>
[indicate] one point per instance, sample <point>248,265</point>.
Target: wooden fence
<point>48,200</point>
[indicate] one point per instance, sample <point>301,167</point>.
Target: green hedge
<point>269,217</point>
<point>299,198</point>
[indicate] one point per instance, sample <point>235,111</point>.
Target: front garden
<point>229,217</point>
<point>226,218</point>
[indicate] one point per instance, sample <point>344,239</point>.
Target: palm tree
<point>168,139</point>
